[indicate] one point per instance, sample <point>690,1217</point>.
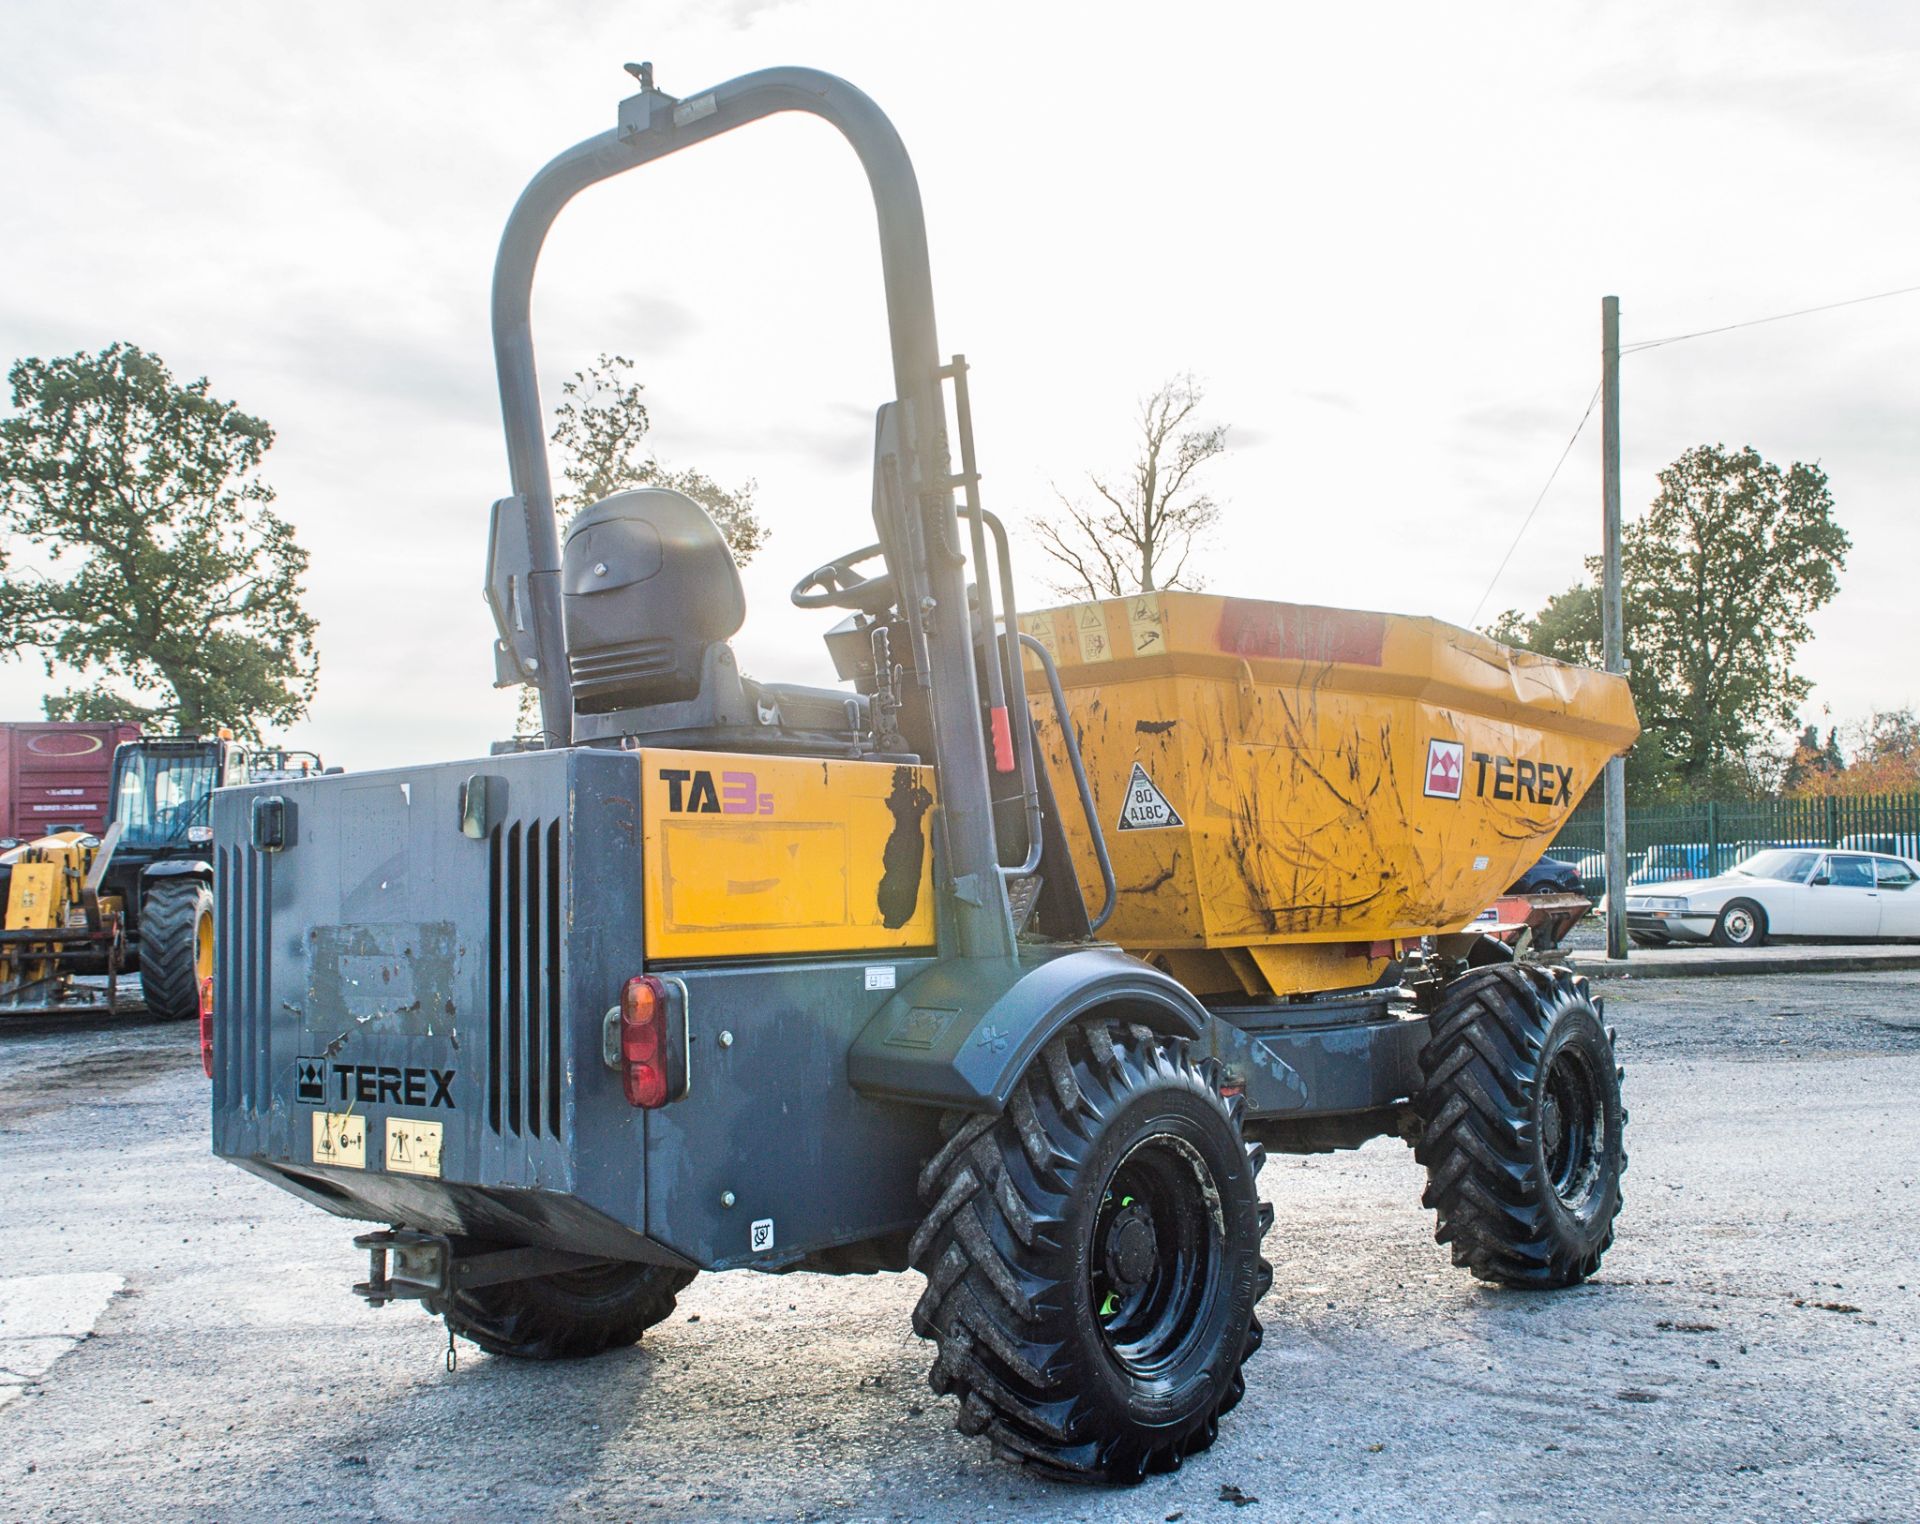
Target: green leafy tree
<point>601,429</point>
<point>1719,578</point>
<point>161,581</point>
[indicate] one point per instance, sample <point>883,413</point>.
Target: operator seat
<point>651,596</point>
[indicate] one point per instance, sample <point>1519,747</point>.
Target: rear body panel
<point>387,970</point>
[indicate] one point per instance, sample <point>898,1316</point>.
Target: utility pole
<point>1612,622</point>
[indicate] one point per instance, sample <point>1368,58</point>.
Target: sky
<point>1379,236</point>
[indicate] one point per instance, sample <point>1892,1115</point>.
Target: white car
<point>1783,892</point>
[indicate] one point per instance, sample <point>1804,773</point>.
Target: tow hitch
<point>405,1265</point>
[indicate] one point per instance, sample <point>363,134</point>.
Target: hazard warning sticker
<point>1146,808</point>
<point>1446,766</point>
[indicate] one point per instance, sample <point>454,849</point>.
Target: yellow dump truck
<point>1005,961</point>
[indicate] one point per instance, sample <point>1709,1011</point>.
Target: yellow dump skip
<point>1284,788</point>
<point>754,855</point>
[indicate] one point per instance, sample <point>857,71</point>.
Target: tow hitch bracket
<point>403,1265</point>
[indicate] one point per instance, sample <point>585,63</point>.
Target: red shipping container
<point>57,773</point>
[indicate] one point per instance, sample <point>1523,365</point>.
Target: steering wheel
<point>836,585</point>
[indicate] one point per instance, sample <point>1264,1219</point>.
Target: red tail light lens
<point>643,1041</point>
<point>206,1026</point>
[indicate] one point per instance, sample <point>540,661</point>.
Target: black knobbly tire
<point>1093,1259</point>
<point>176,947</point>
<point>565,1316</point>
<point>1521,1127</point>
<point>1741,924</point>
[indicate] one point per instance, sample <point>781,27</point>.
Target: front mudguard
<point>961,1034</point>
<point>178,867</point>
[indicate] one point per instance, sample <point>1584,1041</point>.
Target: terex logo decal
<point>1446,767</point>
<point>690,791</point>
<point>1523,778</point>
<point>373,1084</point>
<point>1526,779</point>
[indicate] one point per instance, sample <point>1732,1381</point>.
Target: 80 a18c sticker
<point>1146,808</point>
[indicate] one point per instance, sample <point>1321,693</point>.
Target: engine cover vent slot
<point>525,1061</point>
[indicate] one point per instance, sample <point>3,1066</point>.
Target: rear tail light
<point>206,1026</point>
<point>645,1039</point>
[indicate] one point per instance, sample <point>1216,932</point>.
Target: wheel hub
<point>1130,1246</point>
<point>1156,1253</point>
<point>1572,1129</point>
<point>1552,1126</point>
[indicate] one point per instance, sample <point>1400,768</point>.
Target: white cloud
<point>1381,235</point>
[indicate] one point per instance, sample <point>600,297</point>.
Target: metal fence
<point>1697,840</point>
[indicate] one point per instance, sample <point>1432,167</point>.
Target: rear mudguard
<point>962,1033</point>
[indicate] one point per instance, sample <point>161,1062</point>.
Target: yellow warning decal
<point>770,856</point>
<point>1144,624</point>
<point>1090,623</point>
<point>340,1138</point>
<point>413,1148</point>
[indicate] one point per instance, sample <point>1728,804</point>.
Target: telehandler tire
<point>566,1316</point>
<point>1093,1259</point>
<point>176,947</point>
<point>1521,1127</point>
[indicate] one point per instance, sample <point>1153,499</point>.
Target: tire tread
<point>997,1195</point>
<point>1476,1137</point>
<point>169,948</point>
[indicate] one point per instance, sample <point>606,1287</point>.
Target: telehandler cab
<point>736,973</point>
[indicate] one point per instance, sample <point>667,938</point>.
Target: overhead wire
<point>1778,317</point>
<point>1628,349</point>
<point>1493,581</point>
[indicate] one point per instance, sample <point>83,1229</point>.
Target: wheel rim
<point>1739,924</point>
<point>1158,1242</point>
<point>1573,1118</point>
<point>203,947</point>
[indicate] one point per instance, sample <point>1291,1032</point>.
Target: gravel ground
<point>1749,1350</point>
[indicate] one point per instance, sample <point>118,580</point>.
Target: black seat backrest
<point>648,587</point>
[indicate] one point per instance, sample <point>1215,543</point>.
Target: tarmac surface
<point>183,1345</point>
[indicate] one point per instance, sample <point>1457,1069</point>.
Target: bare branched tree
<point>1139,532</point>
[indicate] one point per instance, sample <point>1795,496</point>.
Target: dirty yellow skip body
<point>1291,793</point>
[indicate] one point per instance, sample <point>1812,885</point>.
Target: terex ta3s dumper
<point>1006,963</point>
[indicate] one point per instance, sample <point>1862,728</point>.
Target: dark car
<point>1548,876</point>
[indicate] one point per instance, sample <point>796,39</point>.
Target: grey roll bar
<point>921,554</point>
